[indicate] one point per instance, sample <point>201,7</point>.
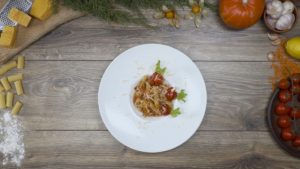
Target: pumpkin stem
<point>245,1</point>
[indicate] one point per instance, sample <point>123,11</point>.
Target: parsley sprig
<point>181,96</point>
<point>175,112</point>
<point>159,69</point>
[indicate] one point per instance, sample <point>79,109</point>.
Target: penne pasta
<point>15,77</point>
<point>21,62</point>
<point>1,88</point>
<point>17,107</point>
<point>19,87</point>
<point>8,66</point>
<point>2,101</point>
<point>9,99</point>
<point>5,83</point>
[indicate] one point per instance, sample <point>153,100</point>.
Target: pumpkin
<point>240,14</point>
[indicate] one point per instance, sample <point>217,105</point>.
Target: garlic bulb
<point>288,7</point>
<point>285,22</point>
<point>274,9</point>
<point>271,21</point>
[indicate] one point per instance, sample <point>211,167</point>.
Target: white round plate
<point>124,122</point>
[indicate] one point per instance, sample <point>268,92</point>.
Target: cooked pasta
<point>151,99</point>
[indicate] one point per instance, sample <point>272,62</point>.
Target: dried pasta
<point>2,101</point>
<point>19,87</point>
<point>9,99</point>
<point>1,88</point>
<point>17,107</point>
<point>8,66</point>
<point>15,77</point>
<point>5,83</point>
<point>21,62</point>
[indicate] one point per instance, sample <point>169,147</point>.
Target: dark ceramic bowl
<point>275,130</point>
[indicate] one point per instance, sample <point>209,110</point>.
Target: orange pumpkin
<point>240,14</point>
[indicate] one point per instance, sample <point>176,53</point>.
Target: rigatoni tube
<point>9,99</point>
<point>19,87</point>
<point>21,62</point>
<point>15,77</point>
<point>17,107</point>
<point>8,66</point>
<point>5,83</point>
<point>2,101</point>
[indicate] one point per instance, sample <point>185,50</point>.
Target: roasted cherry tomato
<point>296,142</point>
<point>156,79</point>
<point>295,88</point>
<point>284,121</point>
<point>285,96</point>
<point>287,134</point>
<point>284,84</point>
<point>165,109</point>
<point>171,94</point>
<point>282,109</point>
<point>295,78</point>
<point>295,114</point>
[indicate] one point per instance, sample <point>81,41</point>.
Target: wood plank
<point>88,38</point>
<point>62,95</point>
<point>98,149</point>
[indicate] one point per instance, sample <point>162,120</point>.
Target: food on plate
<point>154,96</point>
<point>287,134</point>
<point>285,96</point>
<point>9,99</point>
<point>19,87</point>
<point>282,109</point>
<point>284,121</point>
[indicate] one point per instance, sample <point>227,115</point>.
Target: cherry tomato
<point>295,89</point>
<point>296,142</point>
<point>165,109</point>
<point>287,134</point>
<point>295,78</point>
<point>284,121</point>
<point>284,84</point>
<point>285,96</point>
<point>156,79</point>
<point>282,109</point>
<point>295,114</point>
<point>171,94</point>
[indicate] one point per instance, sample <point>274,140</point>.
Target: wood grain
<point>97,149</point>
<point>88,38</point>
<point>62,95</point>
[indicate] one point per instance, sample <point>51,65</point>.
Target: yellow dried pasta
<point>9,99</point>
<point>2,101</point>
<point>17,107</point>
<point>5,83</point>
<point>8,66</point>
<point>15,77</point>
<point>19,87</point>
<point>1,88</point>
<point>21,62</point>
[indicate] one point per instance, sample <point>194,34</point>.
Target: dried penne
<point>17,107</point>
<point>15,77</point>
<point>8,66</point>
<point>5,83</point>
<point>21,62</point>
<point>19,87</point>
<point>2,101</point>
<point>1,88</point>
<point>9,99</point>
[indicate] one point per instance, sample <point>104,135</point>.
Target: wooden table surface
<point>63,126</point>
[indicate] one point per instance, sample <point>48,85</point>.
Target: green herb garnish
<point>175,112</point>
<point>181,96</point>
<point>158,69</point>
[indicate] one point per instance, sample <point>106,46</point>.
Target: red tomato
<point>171,94</point>
<point>282,109</point>
<point>295,88</point>
<point>296,142</point>
<point>295,114</point>
<point>287,134</point>
<point>284,121</point>
<point>285,96</point>
<point>295,78</point>
<point>165,109</point>
<point>156,79</point>
<point>284,84</point>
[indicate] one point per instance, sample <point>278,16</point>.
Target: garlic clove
<point>271,21</point>
<point>270,56</point>
<point>285,22</point>
<point>276,42</point>
<point>273,36</point>
<point>288,7</point>
<point>274,9</point>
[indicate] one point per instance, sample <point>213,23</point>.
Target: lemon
<point>292,47</point>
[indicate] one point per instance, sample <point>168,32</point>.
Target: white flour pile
<point>11,140</point>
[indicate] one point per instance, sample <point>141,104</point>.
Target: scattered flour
<point>11,140</point>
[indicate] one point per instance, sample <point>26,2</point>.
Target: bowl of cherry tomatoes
<point>283,114</point>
